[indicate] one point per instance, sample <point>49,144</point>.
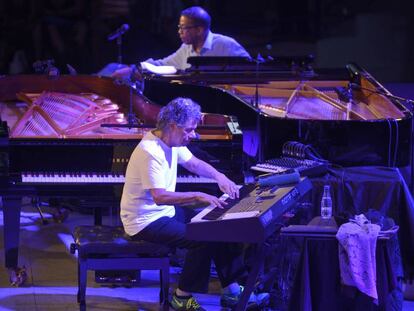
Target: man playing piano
<point>149,206</point>
<point>197,40</point>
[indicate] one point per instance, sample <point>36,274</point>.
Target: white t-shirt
<point>152,165</point>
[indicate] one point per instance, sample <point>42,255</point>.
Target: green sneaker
<point>231,300</point>
<point>185,303</point>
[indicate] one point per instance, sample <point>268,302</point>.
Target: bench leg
<point>164,282</point>
<point>82,278</point>
<point>78,294</point>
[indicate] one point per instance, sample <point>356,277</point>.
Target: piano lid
<point>75,107</point>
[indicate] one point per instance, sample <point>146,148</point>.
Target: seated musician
<point>149,206</point>
<point>197,40</point>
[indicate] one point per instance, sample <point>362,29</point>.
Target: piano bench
<point>109,248</point>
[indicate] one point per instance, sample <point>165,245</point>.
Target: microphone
<point>380,92</point>
<point>355,86</point>
<point>344,94</point>
<point>119,32</point>
<point>72,71</point>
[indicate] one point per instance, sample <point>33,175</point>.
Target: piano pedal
<point>38,204</point>
<point>17,276</point>
<point>124,277</point>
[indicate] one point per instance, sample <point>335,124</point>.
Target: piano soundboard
<point>251,218</point>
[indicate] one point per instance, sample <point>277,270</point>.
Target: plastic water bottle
<point>326,203</point>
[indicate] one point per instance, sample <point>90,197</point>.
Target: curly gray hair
<point>179,111</point>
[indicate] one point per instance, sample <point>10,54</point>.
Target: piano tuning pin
<point>113,106</point>
<point>105,101</point>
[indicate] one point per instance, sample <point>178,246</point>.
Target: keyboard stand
<point>252,277</point>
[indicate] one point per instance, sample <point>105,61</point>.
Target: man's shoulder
<point>218,37</point>
<point>181,149</point>
<point>149,144</point>
<point>223,45</point>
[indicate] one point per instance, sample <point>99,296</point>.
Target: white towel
<point>357,244</point>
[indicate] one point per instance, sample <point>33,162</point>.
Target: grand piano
<point>345,114</point>
<point>254,107</point>
<point>349,117</point>
<point>69,137</point>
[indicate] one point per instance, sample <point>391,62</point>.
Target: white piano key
<point>96,178</point>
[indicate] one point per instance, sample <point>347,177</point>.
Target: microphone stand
<point>131,83</point>
<point>119,45</point>
<point>118,36</point>
<point>133,120</point>
<point>256,102</point>
<point>405,100</point>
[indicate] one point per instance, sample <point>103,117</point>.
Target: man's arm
<point>164,197</point>
<point>202,168</point>
<point>178,59</point>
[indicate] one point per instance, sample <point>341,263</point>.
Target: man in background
<point>197,40</point>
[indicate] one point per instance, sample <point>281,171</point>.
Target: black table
<point>317,284</point>
<point>355,190</point>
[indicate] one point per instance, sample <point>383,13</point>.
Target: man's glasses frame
<point>186,27</point>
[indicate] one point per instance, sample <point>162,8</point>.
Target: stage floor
<point>52,273</point>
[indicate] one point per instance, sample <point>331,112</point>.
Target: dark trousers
<point>227,257</point>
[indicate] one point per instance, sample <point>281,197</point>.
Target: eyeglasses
<point>184,27</point>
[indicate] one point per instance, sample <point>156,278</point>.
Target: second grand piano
<point>345,114</point>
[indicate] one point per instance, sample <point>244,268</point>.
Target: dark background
<point>376,34</point>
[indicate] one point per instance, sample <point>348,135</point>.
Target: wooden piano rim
<point>113,137</point>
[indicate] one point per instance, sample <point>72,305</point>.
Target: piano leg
<point>251,279</point>
<point>97,216</point>
<point>11,227</point>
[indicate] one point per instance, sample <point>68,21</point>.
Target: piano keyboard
<point>252,218</point>
<point>216,212</point>
<point>112,178</point>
